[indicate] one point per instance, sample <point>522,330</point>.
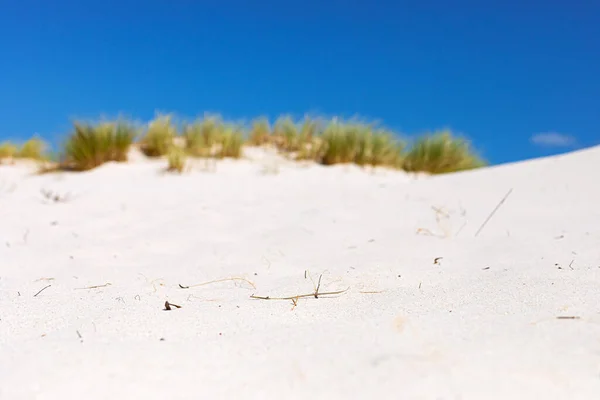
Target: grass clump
<point>202,136</point>
<point>386,149</point>
<point>231,142</point>
<point>260,132</point>
<point>8,150</point>
<point>360,144</point>
<point>211,137</point>
<point>33,149</point>
<point>159,137</point>
<point>441,153</point>
<point>176,157</point>
<point>90,146</point>
<point>285,134</point>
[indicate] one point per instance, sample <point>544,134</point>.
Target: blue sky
<point>519,78</point>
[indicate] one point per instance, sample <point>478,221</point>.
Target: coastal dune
<point>430,298</point>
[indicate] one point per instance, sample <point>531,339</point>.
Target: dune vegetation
<point>326,142</point>
<point>33,149</point>
<point>90,146</point>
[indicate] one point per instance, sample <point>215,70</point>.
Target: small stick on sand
<point>94,287</point>
<point>44,288</point>
<point>294,299</point>
<point>318,287</point>
<point>298,296</point>
<point>493,212</point>
<point>294,303</point>
<point>568,317</point>
<point>168,306</point>
<point>219,280</point>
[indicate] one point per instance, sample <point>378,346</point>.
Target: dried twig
<point>294,303</point>
<point>437,260</point>
<point>219,280</point>
<point>168,306</point>
<point>493,212</point>
<point>44,288</point>
<point>299,295</point>
<point>295,298</point>
<point>568,317</point>
<point>94,287</point>
<point>318,287</point>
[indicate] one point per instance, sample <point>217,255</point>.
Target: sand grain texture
<point>479,324</point>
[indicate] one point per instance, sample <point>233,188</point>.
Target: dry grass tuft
<point>441,153</point>
<point>361,144</point>
<point>260,132</point>
<point>324,142</point>
<point>202,136</point>
<point>176,158</point>
<point>211,137</point>
<point>8,150</point>
<point>90,146</point>
<point>231,142</point>
<point>33,149</point>
<point>159,136</point>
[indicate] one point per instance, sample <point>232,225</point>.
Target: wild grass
<point>441,153</point>
<point>8,150</point>
<point>176,157</point>
<point>33,149</point>
<point>231,142</point>
<point>159,136</point>
<point>211,137</point>
<point>202,136</point>
<point>260,132</point>
<point>361,144</point>
<point>90,146</point>
<point>325,142</point>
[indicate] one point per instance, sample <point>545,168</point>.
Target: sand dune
<point>481,323</point>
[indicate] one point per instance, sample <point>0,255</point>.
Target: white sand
<point>480,325</point>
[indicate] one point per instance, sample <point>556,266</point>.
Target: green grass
<point>90,146</point>
<point>441,153</point>
<point>33,149</point>
<point>8,150</point>
<point>176,158</point>
<point>260,132</point>
<point>211,137</point>
<point>159,136</point>
<point>285,134</point>
<point>324,142</point>
<point>231,142</point>
<point>361,144</point>
<point>202,136</point>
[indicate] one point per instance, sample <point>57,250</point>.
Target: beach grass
<point>8,150</point>
<point>325,142</point>
<point>33,149</point>
<point>441,152</point>
<point>91,145</point>
<point>176,158</point>
<point>159,136</point>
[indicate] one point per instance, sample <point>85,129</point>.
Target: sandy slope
<point>481,324</point>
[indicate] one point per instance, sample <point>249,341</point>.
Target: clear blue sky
<point>499,72</point>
